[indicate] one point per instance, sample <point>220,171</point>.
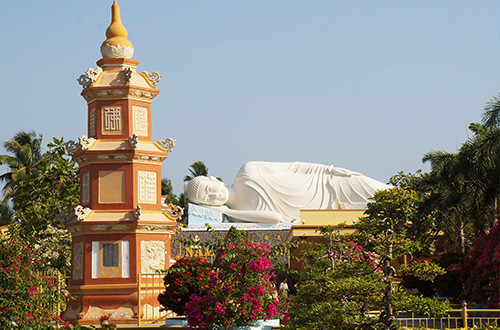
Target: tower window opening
<point>110,255</point>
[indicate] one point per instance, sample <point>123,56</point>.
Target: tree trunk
<point>461,240</point>
<point>387,316</point>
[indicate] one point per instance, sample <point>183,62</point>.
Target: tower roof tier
<point>119,151</point>
<point>119,73</point>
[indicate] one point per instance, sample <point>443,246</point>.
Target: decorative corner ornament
<point>133,140</point>
<point>168,143</point>
<point>175,212</point>
<point>86,142</point>
<point>154,77</point>
<point>82,212</point>
<point>137,212</point>
<point>128,74</point>
<point>89,77</point>
<point>71,146</point>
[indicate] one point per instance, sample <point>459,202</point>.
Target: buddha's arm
<point>249,215</point>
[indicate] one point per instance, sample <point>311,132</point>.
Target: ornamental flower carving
<point>89,77</point>
<point>82,212</point>
<point>71,146</point>
<point>175,212</point>
<point>128,74</point>
<point>154,77</point>
<point>86,142</point>
<point>137,212</point>
<point>168,143</point>
<point>133,140</point>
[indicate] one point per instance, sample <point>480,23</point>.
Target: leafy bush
<point>337,289</point>
<point>420,275</point>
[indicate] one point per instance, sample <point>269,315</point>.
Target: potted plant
<point>240,289</point>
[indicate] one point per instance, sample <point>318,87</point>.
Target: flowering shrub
<point>481,269</point>
<point>186,277</point>
<point>240,288</point>
<point>351,252</point>
<point>53,248</point>
<point>27,299</point>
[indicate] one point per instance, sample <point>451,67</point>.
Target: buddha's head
<point>206,190</point>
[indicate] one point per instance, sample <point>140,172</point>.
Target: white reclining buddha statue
<point>273,192</point>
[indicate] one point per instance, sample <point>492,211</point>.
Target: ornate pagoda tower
<point>119,231</point>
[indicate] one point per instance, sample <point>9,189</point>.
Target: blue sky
<point>366,85</point>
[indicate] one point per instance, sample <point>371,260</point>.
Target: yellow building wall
<point>329,217</point>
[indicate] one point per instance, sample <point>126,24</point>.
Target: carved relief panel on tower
<point>147,187</point>
<point>112,120</point>
<point>152,256</point>
<point>140,121</point>
<point>85,186</point>
<point>92,123</point>
<point>77,261</point>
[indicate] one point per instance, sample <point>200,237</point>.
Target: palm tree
<point>481,153</point>
<point>25,149</point>
<point>168,190</point>
<point>465,186</point>
<point>447,201</point>
<point>197,169</point>
<point>491,114</point>
<point>491,122</point>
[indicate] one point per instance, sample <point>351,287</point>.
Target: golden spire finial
<point>116,35</point>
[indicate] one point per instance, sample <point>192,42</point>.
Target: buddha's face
<point>212,192</point>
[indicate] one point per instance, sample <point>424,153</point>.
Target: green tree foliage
<point>197,169</point>
<point>339,285</point>
<point>6,212</point>
<point>449,196</point>
<point>464,187</point>
<point>481,157</point>
<point>184,203</point>
<point>48,193</point>
<point>44,190</point>
<point>394,219</point>
<point>167,190</point>
<point>24,153</point>
<point>393,227</point>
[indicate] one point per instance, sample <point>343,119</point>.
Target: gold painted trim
<point>87,216</point>
<point>143,75</point>
<point>119,288</point>
<point>159,146</point>
<point>98,79</point>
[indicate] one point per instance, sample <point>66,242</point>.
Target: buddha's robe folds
<point>286,188</point>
